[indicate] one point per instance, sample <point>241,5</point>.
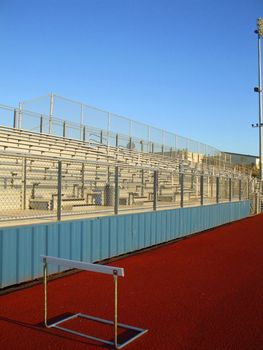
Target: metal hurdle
<point>109,270</point>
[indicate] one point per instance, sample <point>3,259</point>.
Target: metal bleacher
<point>29,176</point>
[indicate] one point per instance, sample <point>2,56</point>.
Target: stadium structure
<point>80,182</point>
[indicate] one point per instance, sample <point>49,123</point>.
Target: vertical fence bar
<point>82,180</point>
<point>24,173</point>
<point>182,190</point>
<point>142,183</point>
<point>45,289</point>
<point>59,197</point>
<point>240,190</point>
<point>211,187</point>
<point>149,138</point>
<point>50,113</point>
<point>115,278</point>
<point>130,128</point>
<point>64,128</point>
<point>142,149</point>
<point>41,124</point>
<point>84,134</point>
<point>202,189</point>
<point>116,197</point>
<point>155,189</point>
<point>20,116</point>
<point>117,140</point>
<point>15,119</point>
<point>230,189</point>
<point>217,189</point>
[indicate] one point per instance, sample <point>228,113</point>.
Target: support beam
<point>182,190</point>
<point>116,197</point>
<point>217,189</point>
<point>155,189</point>
<point>82,180</point>
<point>59,196</point>
<point>202,189</point>
<point>24,176</point>
<point>230,190</point>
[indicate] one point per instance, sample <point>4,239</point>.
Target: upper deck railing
<point>59,116</point>
<point>57,107</point>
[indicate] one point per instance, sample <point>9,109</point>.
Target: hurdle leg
<point>45,290</point>
<point>115,278</point>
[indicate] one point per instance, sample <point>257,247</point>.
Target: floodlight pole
<point>259,32</point>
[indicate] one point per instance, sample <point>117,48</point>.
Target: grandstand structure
<point>52,167</point>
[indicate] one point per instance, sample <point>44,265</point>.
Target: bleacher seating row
<point>88,174</point>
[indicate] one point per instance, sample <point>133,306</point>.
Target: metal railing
<point>34,187</point>
<point>112,129</point>
<point>41,123</point>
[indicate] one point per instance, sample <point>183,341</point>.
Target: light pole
<point>258,89</point>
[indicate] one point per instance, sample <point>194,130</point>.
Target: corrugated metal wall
<point>100,238</point>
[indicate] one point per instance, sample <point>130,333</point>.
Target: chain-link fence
<point>41,187</point>
<point>107,134</point>
<point>92,123</point>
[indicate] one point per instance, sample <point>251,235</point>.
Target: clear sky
<point>185,66</point>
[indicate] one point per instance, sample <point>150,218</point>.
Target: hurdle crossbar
<point>109,270</point>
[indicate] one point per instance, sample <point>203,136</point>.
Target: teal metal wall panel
<point>100,238</point>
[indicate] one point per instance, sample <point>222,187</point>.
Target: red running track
<point>204,292</point>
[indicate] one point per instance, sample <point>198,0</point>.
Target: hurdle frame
<point>115,272</point>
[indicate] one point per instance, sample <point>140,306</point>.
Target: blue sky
<point>185,66</point>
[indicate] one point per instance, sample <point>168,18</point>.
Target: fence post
<point>50,113</point>
<point>116,197</point>
<point>117,140</point>
<point>82,179</point>
<point>202,189</point>
<point>24,184</point>
<point>230,189</point>
<point>142,184</point>
<point>84,134</point>
<point>15,117</point>
<point>155,189</point>
<point>64,129</point>
<point>41,125</point>
<point>101,137</point>
<point>217,189</point>
<point>20,116</point>
<point>182,190</point>
<point>59,197</point>
<point>130,143</point>
<point>240,189</point>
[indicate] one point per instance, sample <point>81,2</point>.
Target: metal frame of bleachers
<point>43,175</point>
